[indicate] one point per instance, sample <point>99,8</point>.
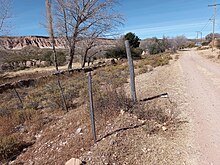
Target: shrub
<point>191,44</point>
<point>49,57</point>
<point>116,52</point>
<point>20,116</point>
<point>156,46</point>
<point>120,53</point>
<point>109,99</point>
<point>209,36</point>
<point>205,43</point>
<point>10,147</point>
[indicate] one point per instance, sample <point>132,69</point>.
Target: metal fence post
<point>131,69</point>
<point>62,93</point>
<point>91,106</point>
<point>17,94</point>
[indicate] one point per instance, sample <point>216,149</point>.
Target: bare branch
<point>77,19</point>
<point>4,15</point>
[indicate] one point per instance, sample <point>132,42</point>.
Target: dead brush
<point>47,93</point>
<point>151,61</point>
<point>108,92</point>
<point>156,114</point>
<point>110,100</point>
<point>10,147</point>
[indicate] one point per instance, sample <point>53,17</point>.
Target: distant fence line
<point>31,82</point>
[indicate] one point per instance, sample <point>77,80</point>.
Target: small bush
<point>205,43</point>
<point>49,57</point>
<point>10,147</point>
<point>157,46</point>
<point>21,116</point>
<point>146,64</point>
<point>111,99</point>
<point>120,53</point>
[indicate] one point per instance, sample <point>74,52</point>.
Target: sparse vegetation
<point>209,36</point>
<point>156,46</point>
<point>10,147</point>
<point>149,62</point>
<point>43,104</point>
<point>21,59</point>
<point>119,52</point>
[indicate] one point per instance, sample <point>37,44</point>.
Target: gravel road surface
<point>202,84</point>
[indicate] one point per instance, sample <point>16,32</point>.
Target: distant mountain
<point>24,41</point>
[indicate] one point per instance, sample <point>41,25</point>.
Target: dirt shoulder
<point>212,56</point>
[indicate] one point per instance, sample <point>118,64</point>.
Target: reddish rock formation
<point>23,41</point>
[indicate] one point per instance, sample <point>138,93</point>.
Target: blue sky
<point>146,18</point>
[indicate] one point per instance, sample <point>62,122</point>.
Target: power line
<point>209,20</point>
<point>213,28</point>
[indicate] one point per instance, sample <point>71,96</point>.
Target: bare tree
<point>78,19</point>
<point>4,15</point>
<point>88,46</point>
<point>51,33</point>
<point>84,49</point>
<point>179,42</point>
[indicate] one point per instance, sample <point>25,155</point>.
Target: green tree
<point>133,39</point>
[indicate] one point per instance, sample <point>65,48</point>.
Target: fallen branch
<point>121,129</point>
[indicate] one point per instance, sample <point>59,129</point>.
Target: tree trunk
<point>89,60</point>
<point>51,32</point>
<point>83,62</point>
<point>85,57</point>
<point>71,52</point>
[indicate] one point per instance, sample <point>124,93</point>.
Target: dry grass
<point>8,77</point>
<point>10,147</point>
<point>153,61</point>
<point>42,112</point>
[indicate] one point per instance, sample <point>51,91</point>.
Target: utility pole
<point>213,28</point>
<point>198,35</point>
<point>201,36</point>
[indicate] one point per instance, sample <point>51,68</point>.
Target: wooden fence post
<point>91,106</point>
<point>131,69</point>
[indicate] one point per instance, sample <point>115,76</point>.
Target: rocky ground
<point>143,134</point>
<point>125,137</point>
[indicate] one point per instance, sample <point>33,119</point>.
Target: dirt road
<point>202,82</point>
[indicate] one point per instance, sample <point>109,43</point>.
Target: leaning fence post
<point>61,92</point>
<point>131,69</point>
<point>91,106</point>
<point>17,94</point>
